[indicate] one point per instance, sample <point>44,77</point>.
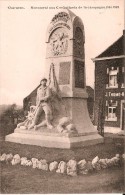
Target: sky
<point>23,33</point>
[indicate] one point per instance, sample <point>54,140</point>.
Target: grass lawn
<point>18,179</point>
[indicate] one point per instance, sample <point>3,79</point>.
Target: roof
<point>116,49</point>
<point>33,92</point>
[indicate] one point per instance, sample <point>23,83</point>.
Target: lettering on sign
<point>58,25</point>
<point>64,73</point>
<point>61,16</point>
<point>115,94</point>
<point>79,74</point>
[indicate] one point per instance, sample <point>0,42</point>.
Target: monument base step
<point>54,141</point>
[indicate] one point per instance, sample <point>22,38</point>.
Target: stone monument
<point>66,74</point>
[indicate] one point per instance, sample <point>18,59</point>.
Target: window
<point>123,77</point>
<point>111,114</point>
<point>112,81</point>
<point>112,103</point>
<point>106,93</point>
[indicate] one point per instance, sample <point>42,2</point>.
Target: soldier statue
<point>43,104</point>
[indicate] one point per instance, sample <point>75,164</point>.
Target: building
<point>29,100</point>
<point>109,84</point>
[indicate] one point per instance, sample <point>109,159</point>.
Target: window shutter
<point>118,78</point>
<point>122,77</point>
<point>107,79</point>
<point>118,69</point>
<point>106,109</point>
<point>117,110</point>
<point>106,112</point>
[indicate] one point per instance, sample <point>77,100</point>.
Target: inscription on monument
<point>79,74</point>
<point>61,16</point>
<point>64,73</point>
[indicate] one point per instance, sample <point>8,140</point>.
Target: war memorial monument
<point>60,118</point>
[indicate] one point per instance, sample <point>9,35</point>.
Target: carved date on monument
<point>79,74</point>
<point>64,73</point>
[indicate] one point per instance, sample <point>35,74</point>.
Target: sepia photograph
<point>62,96</point>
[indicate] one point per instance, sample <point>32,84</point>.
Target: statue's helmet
<point>43,79</point>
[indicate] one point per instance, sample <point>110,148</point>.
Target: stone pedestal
<point>76,108</point>
<point>53,139</point>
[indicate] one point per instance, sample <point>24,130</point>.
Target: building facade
<point>109,84</point>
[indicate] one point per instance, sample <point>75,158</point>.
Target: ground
<point>18,179</point>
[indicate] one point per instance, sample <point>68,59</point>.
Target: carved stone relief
<point>58,42</point>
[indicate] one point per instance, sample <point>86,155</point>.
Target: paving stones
<point>29,163</point>
<point>34,162</point>
<point>53,166</point>
<point>82,167</point>
<point>16,159</point>
<point>9,158</point>
<point>3,157</point>
<point>62,167</point>
<point>23,161</point>
<point>123,156</point>
<point>95,163</point>
<point>71,168</point>
<point>103,163</point>
<point>44,165</point>
<point>89,166</point>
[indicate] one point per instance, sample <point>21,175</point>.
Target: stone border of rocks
<point>72,167</point>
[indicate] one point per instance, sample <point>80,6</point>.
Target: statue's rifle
<point>36,108</point>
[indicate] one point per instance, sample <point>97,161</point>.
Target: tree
<point>10,117</point>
